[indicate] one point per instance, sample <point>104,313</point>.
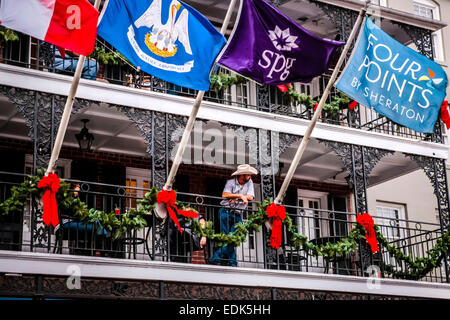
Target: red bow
<point>352,105</point>
<point>278,213</point>
<point>366,221</point>
<point>169,198</point>
<point>62,52</point>
<point>445,116</point>
<point>50,212</point>
<point>284,88</point>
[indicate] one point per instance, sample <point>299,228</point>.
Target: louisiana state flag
<point>165,38</point>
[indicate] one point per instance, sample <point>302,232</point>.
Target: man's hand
<point>202,242</point>
<point>244,199</point>
<point>203,239</point>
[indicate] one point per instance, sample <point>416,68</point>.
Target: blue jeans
<point>226,255</point>
<point>90,67</point>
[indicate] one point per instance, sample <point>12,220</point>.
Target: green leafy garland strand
<point>223,81</point>
<point>338,101</point>
<point>107,56</point>
<point>299,241</point>
<point>417,268</point>
<point>8,35</point>
<point>69,204</point>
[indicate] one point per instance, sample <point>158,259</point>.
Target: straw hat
<point>245,169</point>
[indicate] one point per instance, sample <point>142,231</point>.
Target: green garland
<point>299,241</point>
<point>8,35</point>
<point>108,57</point>
<point>333,107</point>
<point>68,204</point>
<point>417,268</point>
<point>223,81</point>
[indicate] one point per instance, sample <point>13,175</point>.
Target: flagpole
<point>189,126</point>
<point>67,109</point>
<point>301,149</point>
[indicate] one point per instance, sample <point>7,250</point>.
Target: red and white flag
<point>70,24</point>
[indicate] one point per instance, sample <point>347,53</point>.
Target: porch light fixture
<point>84,137</point>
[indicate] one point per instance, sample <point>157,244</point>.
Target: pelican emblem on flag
<point>165,38</point>
<point>161,41</point>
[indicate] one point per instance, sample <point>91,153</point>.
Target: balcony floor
<point>20,265</point>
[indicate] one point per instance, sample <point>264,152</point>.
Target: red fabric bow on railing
<point>50,207</point>
<point>353,105</point>
<point>278,213</point>
<point>445,116</point>
<point>169,198</point>
<point>284,88</point>
<point>367,222</point>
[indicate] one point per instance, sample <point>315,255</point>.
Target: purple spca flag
<point>270,48</point>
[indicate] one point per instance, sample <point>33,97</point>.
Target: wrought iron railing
<point>161,241</point>
<point>30,53</point>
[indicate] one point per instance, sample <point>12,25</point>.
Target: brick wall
<point>197,173</point>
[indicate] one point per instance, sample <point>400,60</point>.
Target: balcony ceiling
<point>114,132</point>
<point>314,19</point>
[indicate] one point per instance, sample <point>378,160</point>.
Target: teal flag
<point>395,80</point>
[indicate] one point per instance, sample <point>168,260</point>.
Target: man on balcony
<point>237,193</point>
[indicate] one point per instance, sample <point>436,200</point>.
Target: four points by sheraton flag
<point>165,38</point>
<point>395,80</point>
<point>270,48</point>
<point>70,24</point>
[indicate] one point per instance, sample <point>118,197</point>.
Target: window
<point>137,183</point>
<point>306,89</point>
<point>423,11</point>
<point>388,217</point>
<point>429,10</point>
<point>378,2</point>
<point>309,219</point>
<point>237,94</point>
<point>391,219</point>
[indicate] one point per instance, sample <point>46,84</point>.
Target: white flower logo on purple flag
<point>270,48</point>
<point>282,39</point>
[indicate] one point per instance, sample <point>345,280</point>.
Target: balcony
<point>137,120</point>
<point>159,245</point>
<point>116,70</point>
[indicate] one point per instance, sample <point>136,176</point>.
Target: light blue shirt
<point>233,186</point>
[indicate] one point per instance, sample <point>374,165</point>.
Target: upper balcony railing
<point>161,241</point>
<point>115,69</point>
